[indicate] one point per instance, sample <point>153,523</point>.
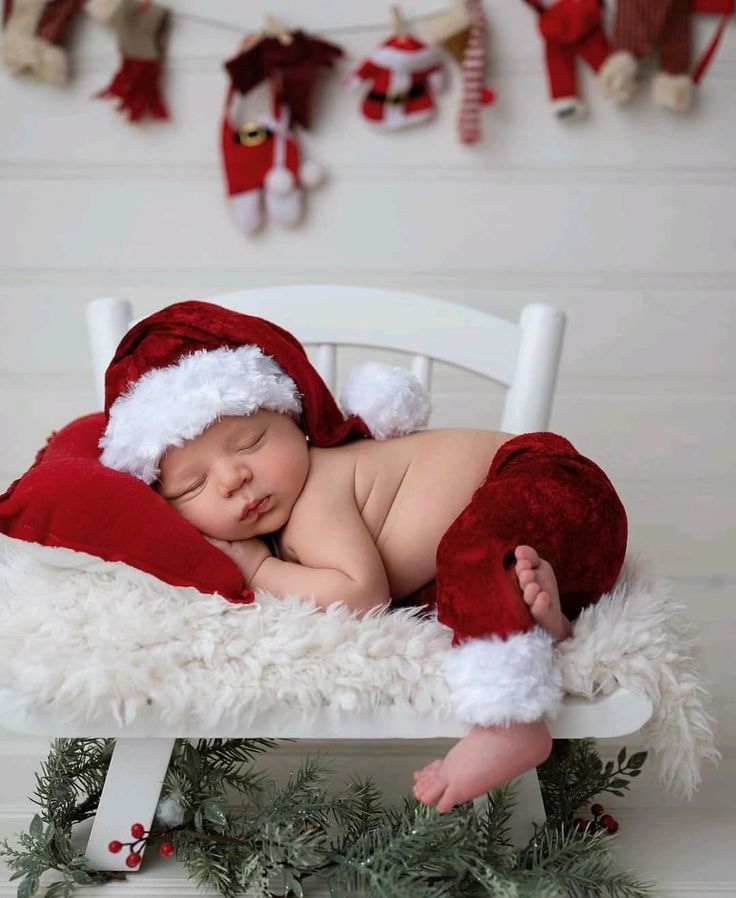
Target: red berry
<point>166,849</point>
<point>579,823</point>
<point>597,810</point>
<point>610,824</point>
<point>114,846</point>
<point>137,830</point>
<point>133,859</point>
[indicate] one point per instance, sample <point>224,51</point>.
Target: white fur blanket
<point>86,637</point>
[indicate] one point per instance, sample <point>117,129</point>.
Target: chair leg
<point>529,809</point>
<point>130,795</point>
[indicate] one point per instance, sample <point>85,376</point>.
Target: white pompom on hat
<point>389,399</point>
<point>181,369</point>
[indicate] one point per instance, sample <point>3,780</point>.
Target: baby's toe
<point>430,789</point>
<point>526,553</point>
<point>448,801</point>
<point>526,577</point>
<point>531,592</point>
<point>542,603</point>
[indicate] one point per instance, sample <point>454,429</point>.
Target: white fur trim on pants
<point>495,681</point>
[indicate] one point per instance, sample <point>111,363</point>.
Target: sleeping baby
<point>225,417</point>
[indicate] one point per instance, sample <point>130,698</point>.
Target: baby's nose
<point>234,475</point>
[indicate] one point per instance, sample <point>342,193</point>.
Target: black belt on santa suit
<point>416,90</point>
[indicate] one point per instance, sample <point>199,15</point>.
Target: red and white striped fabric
<point>473,71</point>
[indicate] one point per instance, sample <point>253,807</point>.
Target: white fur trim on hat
<point>389,399</point>
<point>494,681</point>
<point>167,406</point>
<point>406,60</point>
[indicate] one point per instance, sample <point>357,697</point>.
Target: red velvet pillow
<point>68,498</point>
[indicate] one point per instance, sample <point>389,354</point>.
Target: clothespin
<point>399,24</point>
<point>275,27</point>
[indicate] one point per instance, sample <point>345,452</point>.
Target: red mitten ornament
<point>264,169</point>
<point>142,30</point>
<point>33,36</point>
<point>570,28</point>
<point>403,76</point>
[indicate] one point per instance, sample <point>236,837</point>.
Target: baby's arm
<point>337,558</point>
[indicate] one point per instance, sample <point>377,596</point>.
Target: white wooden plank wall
<point>624,220</point>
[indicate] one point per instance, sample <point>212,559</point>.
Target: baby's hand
<point>248,554</point>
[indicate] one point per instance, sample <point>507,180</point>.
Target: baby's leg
<point>486,758</point>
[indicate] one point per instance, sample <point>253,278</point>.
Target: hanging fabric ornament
<point>723,8</point>
<point>461,32</point>
<point>264,169</point>
<point>570,28</point>
<point>142,31</point>
<point>33,37</point>
<point>296,63</point>
<point>403,75</point>
<point>641,26</point>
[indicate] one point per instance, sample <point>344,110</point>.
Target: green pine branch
<point>280,836</point>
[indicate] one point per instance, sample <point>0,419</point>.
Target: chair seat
<point>618,714</point>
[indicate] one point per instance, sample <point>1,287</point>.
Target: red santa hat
<point>181,369</point>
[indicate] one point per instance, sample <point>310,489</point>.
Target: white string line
<point>335,29</point>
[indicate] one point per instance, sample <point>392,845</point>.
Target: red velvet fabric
<point>294,67</point>
<point>185,327</point>
<point>68,498</point>
<point>540,492</point>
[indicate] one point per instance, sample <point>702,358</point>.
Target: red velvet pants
<point>540,492</point>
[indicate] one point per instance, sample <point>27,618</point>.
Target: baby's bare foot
<point>539,586</point>
<point>481,761</point>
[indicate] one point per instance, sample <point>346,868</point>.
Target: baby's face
<point>240,478</point>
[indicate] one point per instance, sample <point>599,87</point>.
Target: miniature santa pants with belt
<point>539,492</point>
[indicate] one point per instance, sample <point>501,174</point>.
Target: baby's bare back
<point>408,491</point>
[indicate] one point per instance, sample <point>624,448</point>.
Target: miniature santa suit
<point>264,170</point>
<point>403,75</point>
<point>178,371</point>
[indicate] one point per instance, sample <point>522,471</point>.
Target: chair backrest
<point>522,356</point>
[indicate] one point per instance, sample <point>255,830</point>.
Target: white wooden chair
<point>524,357</point>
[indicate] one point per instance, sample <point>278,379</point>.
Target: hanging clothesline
<point>335,29</point>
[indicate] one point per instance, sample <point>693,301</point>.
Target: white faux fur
<point>167,406</point>
<point>405,61</point>
<point>617,76</point>
<point>674,92</point>
<point>638,637</point>
<point>388,398</point>
<point>83,638</point>
<point>25,53</point>
<point>496,681</point>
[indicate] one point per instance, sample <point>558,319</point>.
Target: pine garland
<point>273,839</point>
